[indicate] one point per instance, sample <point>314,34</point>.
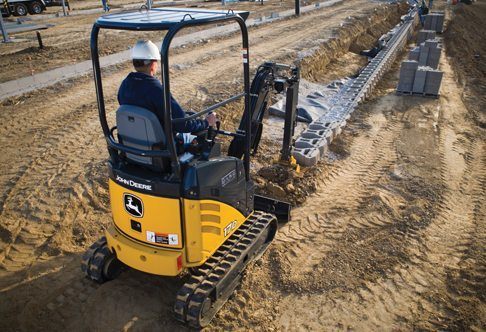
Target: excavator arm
<point>270,77</point>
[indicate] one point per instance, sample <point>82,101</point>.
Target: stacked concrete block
<point>424,35</point>
<point>432,43</point>
<point>426,81</point>
<point>434,58</point>
<point>434,21</point>
<point>432,82</point>
<point>423,56</point>
<point>407,75</point>
<point>423,61</point>
<point>440,22</point>
<point>427,54</point>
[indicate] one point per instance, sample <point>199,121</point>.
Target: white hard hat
<point>145,50</point>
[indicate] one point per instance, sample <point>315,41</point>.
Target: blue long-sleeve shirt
<point>143,90</point>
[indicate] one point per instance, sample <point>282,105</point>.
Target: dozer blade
<point>211,284</point>
<point>278,208</point>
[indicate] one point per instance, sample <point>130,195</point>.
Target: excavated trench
<point>356,35</point>
<point>364,247</point>
<point>335,59</point>
<point>390,237</point>
<point>388,232</point>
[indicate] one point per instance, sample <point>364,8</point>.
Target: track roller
<point>100,264</point>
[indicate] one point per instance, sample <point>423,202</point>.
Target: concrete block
<point>409,65</point>
<point>428,22</point>
<point>434,43</point>
<point>434,22</point>
<point>419,80</point>
<point>319,125</point>
<point>414,54</point>
<point>311,133</point>
<point>306,156</point>
<point>421,36</point>
<point>312,143</point>
<point>329,136</point>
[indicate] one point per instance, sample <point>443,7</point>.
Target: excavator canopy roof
<point>165,18</point>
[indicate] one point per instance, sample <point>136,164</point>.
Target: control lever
<point>213,132</point>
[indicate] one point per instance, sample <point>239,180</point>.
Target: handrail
<point>209,109</point>
<point>171,150</point>
<point>175,164</point>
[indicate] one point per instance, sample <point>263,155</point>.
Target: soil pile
<point>466,46</point>
<point>358,33</point>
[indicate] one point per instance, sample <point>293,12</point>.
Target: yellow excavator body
<point>170,234</point>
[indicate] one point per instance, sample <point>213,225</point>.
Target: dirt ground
<point>468,51</point>
<point>388,233</point>
<point>67,42</point>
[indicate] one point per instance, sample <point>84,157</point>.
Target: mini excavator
<point>191,213</point>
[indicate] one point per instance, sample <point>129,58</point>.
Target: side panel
<point>207,224</point>
<point>150,219</point>
<point>143,257</point>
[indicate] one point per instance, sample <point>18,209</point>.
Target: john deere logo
<point>133,205</point>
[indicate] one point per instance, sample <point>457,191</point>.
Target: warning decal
<point>163,238</point>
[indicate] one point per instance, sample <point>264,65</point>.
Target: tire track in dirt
<point>38,201</point>
<point>281,39</point>
<point>61,133</point>
<point>414,262</point>
<point>346,186</point>
<point>51,200</point>
<point>414,291</point>
<point>37,134</point>
<point>340,215</point>
<point>84,172</point>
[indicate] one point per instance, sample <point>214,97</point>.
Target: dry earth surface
<point>389,233</point>
<point>67,42</point>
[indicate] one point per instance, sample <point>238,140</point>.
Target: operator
<point>142,89</point>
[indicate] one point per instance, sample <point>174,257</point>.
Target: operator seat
<point>140,128</point>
